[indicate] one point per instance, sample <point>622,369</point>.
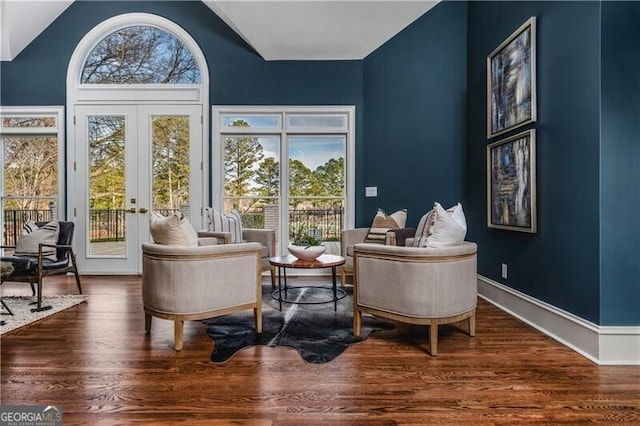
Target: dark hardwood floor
<point>96,361</point>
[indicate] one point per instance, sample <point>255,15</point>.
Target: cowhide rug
<point>317,332</point>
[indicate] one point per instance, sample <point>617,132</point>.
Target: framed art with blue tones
<point>511,183</point>
<point>511,81</point>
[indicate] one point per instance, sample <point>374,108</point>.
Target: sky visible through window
<point>313,151</point>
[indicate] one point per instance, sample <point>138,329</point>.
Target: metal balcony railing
<point>106,225</point>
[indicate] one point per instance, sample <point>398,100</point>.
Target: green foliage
<point>253,220</point>
<point>300,180</point>
<point>268,177</point>
<point>330,175</point>
<point>240,156</point>
<point>301,237</point>
<point>170,162</point>
<point>106,162</point>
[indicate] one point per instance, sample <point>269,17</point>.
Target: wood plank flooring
<point>96,361</point>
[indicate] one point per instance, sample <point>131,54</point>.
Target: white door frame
<point>138,180</point>
<point>79,94</point>
<point>284,132</point>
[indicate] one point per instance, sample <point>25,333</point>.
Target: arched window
<point>137,93</point>
<point>140,55</point>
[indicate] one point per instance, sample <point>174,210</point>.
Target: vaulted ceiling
<point>277,30</point>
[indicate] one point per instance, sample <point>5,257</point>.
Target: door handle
<point>143,210</point>
<point>131,210</point>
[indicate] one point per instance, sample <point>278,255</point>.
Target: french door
<point>131,160</point>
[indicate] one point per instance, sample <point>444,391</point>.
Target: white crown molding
<point>604,345</point>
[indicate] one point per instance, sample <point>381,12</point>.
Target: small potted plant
<point>305,246</point>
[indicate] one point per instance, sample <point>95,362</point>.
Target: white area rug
<point>21,308</point>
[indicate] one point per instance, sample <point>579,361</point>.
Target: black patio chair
<point>34,269</point>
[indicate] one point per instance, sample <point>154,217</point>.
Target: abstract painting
<point>511,81</point>
<point>511,183</point>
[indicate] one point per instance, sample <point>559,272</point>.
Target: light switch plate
<point>371,191</point>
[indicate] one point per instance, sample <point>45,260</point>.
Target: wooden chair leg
<point>75,272</point>
<point>433,337</point>
<point>39,291</point>
<point>357,322</point>
<point>343,277</point>
<point>472,324</point>
<point>178,332</point>
<point>273,278</point>
<point>257,315</point>
<point>147,322</point>
<point>39,307</point>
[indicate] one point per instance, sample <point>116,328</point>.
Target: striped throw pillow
<point>231,223</point>
<point>383,223</point>
<point>32,236</point>
<point>424,228</point>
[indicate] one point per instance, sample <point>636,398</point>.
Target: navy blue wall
<point>415,116</point>
<point>620,165</point>
<point>238,75</point>
<point>559,264</point>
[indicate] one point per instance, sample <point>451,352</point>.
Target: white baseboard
<point>603,345</point>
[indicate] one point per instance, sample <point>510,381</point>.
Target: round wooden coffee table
<point>324,261</point>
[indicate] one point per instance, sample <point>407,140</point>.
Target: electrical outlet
<point>371,191</point>
<point>504,271</point>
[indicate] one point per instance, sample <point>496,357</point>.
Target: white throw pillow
<point>172,230</point>
<point>32,236</point>
<point>231,223</point>
<point>449,227</point>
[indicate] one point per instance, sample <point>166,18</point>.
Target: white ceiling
<point>21,21</point>
<point>277,30</point>
<point>334,29</point>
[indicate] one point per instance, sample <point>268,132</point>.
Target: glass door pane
<point>170,164</point>
<point>252,180</point>
<point>133,159</point>
<point>107,185</point>
<point>317,187</point>
<point>251,172</point>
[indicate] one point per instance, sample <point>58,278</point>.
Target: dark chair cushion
<point>403,234</point>
<point>21,264</point>
<point>28,265</point>
<point>55,264</point>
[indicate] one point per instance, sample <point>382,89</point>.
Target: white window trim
<point>217,150</point>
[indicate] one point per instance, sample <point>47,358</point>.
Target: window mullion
<point>284,189</point>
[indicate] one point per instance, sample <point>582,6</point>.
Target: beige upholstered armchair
<point>350,237</point>
<point>266,238</point>
<point>193,283</point>
<point>427,286</point>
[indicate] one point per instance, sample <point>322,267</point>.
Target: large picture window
<point>312,146</point>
